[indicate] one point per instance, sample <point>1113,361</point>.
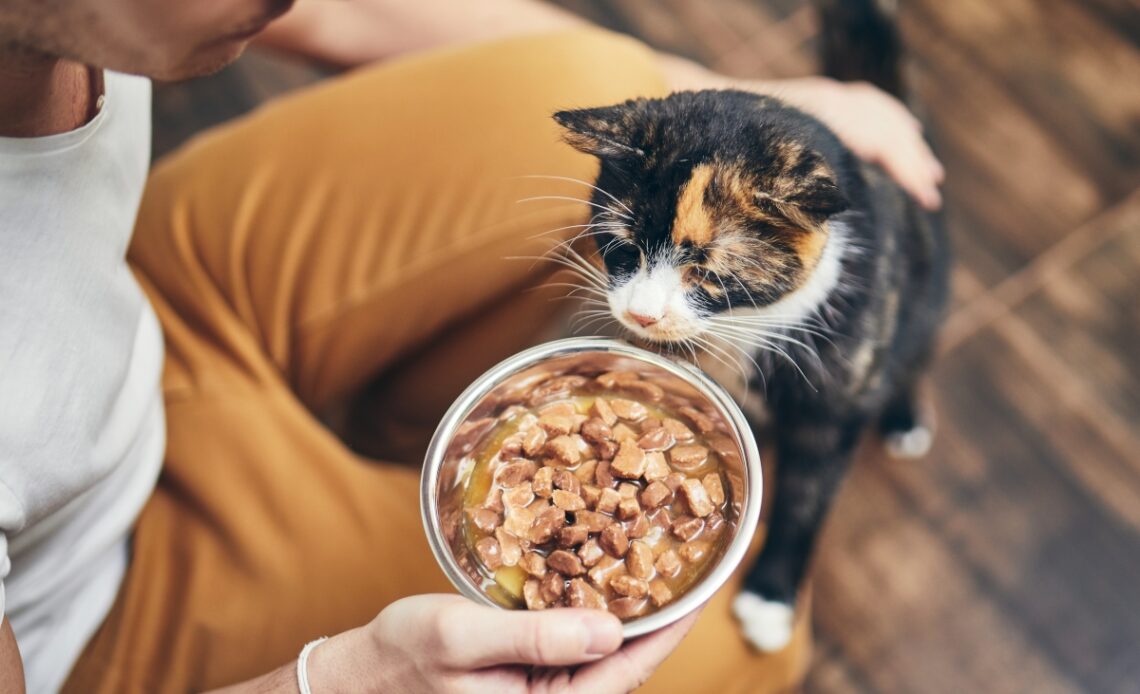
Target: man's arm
<point>11,667</point>
<point>875,125</point>
<point>354,32</point>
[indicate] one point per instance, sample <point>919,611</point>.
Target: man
<point>349,235</point>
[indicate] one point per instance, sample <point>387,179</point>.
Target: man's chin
<point>204,61</point>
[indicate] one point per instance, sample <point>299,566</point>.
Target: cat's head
<point>708,201</point>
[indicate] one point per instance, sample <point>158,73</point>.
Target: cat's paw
<point>766,624</point>
<point>909,445</point>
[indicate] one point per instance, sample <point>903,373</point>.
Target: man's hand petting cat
<point>874,124</point>
<point>445,643</point>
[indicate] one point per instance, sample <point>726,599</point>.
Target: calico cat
<point>739,230</point>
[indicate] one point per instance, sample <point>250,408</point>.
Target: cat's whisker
<point>741,323</point>
<point>536,198</point>
<point>564,228</point>
<point>714,336</point>
<point>812,322</point>
<point>760,342</point>
<point>687,344</point>
<point>572,261</point>
<point>745,290</point>
<point>592,316</point>
<point>616,239</point>
<point>562,245</point>
<point>584,262</point>
<point>772,336</point>
<point>592,280</point>
<point>600,321</point>
<point>714,351</point>
<point>585,183</point>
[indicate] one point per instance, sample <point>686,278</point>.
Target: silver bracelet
<point>303,665</point>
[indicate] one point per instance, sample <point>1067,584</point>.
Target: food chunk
<point>639,560</point>
<point>678,429</point>
<point>515,472</point>
<point>602,410</point>
<point>568,501</point>
<point>543,482</point>
<point>566,563</point>
<point>655,466</point>
<point>489,553</point>
<point>694,551</point>
<point>629,586</point>
<point>687,527</point>
<point>595,430</point>
<point>668,564</point>
<point>659,593</point>
<point>519,521</point>
<point>533,563</point>
<point>485,519</point>
<point>628,509</point>
<point>510,550</point>
<point>582,594</point>
<point>593,521</point>
<point>591,553</point>
<point>637,527</point>
<point>565,480</point>
<point>553,586</point>
<point>655,495</point>
<point>629,410</point>
<point>564,450</point>
<point>714,488</point>
<point>614,540</point>
<point>572,535</point>
<point>700,420</point>
<point>697,498</point>
<point>656,440</point>
<point>532,594</point>
<point>556,425</point>
<point>688,458</point>
<point>546,525</point>
<point>608,501</point>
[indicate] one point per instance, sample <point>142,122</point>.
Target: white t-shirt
<point>81,419</point>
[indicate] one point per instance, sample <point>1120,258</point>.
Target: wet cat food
<point>603,492</point>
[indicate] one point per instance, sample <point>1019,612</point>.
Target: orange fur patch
<point>693,221</point>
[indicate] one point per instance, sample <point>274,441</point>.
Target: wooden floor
<point>1009,561</point>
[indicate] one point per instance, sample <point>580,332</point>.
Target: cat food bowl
<point>588,472</point>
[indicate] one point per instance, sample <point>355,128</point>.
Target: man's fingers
<point>471,636</point>
<point>630,667</point>
<point>912,165</point>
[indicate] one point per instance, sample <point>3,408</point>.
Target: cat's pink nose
<point>642,320</point>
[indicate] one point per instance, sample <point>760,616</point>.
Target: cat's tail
<point>859,40</point>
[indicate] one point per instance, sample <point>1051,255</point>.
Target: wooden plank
<point>1002,553</point>
<point>980,310</point>
<point>1007,167</point>
<point>771,46</point>
<point>908,613</point>
<point>1064,66</point>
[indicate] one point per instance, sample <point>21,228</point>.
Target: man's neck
<point>44,95</point>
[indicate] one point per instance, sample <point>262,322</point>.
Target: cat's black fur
<point>879,322</point>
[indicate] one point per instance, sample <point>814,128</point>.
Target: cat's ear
<point>808,203</point>
<point>605,132</point>
<point>820,197</point>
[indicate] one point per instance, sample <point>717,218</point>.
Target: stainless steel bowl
<point>473,415</point>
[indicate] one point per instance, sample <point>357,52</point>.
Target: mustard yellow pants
<point>357,232</point>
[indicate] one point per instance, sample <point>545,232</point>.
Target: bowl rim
<point>748,521</point>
